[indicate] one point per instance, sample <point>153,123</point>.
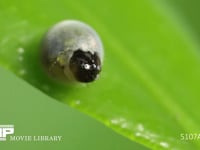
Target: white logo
<point>5,130</point>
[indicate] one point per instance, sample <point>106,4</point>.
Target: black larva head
<point>85,66</point>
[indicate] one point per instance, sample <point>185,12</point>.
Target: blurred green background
<point>34,114</point>
<point>148,90</point>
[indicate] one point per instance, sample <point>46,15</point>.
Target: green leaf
<point>148,90</point>
<point>24,108</point>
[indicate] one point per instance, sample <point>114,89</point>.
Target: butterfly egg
<point>72,50</point>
